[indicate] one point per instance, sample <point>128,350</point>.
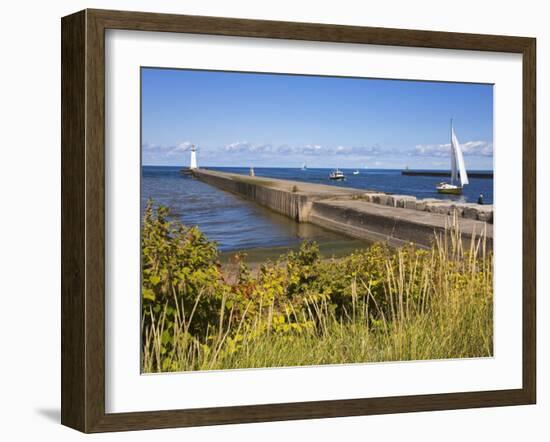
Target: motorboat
<point>337,175</point>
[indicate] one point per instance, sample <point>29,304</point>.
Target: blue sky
<point>274,120</point>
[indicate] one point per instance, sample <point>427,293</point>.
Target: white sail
<point>454,174</point>
<point>458,159</point>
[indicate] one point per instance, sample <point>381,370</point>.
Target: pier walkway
<point>371,215</point>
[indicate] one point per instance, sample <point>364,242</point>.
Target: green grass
<point>374,305</point>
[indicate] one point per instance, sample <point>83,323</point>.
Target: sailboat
<point>304,166</point>
<point>458,169</point>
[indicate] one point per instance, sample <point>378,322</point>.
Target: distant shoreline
<point>471,173</point>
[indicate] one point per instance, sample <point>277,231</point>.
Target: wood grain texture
<point>529,220</point>
<point>144,21</point>
<point>83,219</point>
<point>95,221</point>
<point>73,256</point>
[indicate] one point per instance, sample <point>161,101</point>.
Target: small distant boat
<point>304,166</point>
<point>337,175</point>
<point>251,172</point>
<point>458,169</point>
<point>356,172</point>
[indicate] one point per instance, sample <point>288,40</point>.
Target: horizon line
<point>299,168</point>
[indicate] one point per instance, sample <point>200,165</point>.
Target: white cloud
<point>308,149</point>
<point>470,148</point>
<point>245,150</point>
<point>182,147</point>
<point>245,146</point>
<point>478,148</point>
<point>160,150</point>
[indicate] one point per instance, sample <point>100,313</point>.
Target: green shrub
<point>375,304</point>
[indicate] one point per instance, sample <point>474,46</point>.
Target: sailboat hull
<point>450,191</point>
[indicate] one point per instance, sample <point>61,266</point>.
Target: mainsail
<point>457,159</point>
<point>454,171</point>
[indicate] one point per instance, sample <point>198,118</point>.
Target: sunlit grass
<point>410,305</point>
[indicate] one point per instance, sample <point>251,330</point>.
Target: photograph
<point>304,220</point>
<point>245,221</point>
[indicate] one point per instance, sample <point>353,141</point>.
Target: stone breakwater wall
<point>395,219</point>
<point>397,226</point>
<point>281,201</point>
<point>433,205</point>
<point>354,220</point>
<point>293,199</point>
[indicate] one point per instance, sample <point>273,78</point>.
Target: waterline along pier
<point>364,214</point>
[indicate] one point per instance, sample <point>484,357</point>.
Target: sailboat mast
<point>452,154</point>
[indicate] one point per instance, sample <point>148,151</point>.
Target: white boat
<point>458,169</point>
<point>356,172</point>
<point>337,175</point>
<point>304,166</point>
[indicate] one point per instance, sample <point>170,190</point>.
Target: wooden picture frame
<point>83,219</point>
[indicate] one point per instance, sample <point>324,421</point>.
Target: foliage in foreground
<point>377,304</point>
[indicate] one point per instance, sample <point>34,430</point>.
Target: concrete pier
<point>395,219</point>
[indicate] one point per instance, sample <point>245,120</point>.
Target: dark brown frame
<point>83,216</point>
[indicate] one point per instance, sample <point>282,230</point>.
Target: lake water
<point>384,180</point>
<point>238,224</point>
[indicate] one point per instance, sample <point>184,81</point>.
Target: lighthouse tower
<point>193,164</point>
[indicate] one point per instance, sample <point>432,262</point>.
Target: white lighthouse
<point>193,164</point>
